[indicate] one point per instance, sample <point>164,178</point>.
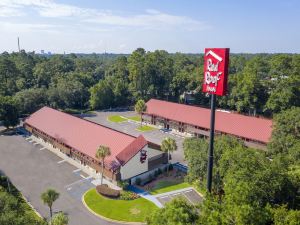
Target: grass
<point>123,210</point>
<point>116,119</point>
<point>145,128</point>
<point>135,118</point>
<point>166,186</point>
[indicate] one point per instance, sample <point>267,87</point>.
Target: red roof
<point>130,151</point>
<point>83,135</point>
<point>253,128</point>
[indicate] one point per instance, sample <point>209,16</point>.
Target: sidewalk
<point>145,195</point>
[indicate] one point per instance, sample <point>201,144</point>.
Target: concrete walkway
<point>145,195</point>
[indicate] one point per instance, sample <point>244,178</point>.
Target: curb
<point>105,218</point>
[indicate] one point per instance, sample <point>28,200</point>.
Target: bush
<point>123,184</point>
<point>138,181</point>
<point>159,171</point>
<point>106,191</point>
<point>150,177</point>
<point>128,195</point>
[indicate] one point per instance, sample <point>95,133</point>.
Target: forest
<point>249,186</point>
<point>259,84</point>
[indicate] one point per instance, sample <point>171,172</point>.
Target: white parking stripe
<point>79,181</point>
<point>28,138</point>
<point>77,170</point>
<point>82,176</point>
<point>36,143</point>
<point>30,141</point>
<point>61,161</point>
<point>42,148</point>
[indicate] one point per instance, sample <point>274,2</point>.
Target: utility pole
<point>19,44</point>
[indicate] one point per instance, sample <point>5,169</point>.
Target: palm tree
<point>60,219</point>
<point>49,197</point>
<point>168,145</point>
<point>101,153</point>
<point>140,107</point>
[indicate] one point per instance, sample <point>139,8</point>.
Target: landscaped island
<point>122,210</point>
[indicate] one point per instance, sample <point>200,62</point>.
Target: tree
<point>49,197</point>
<point>168,145</point>
<point>102,96</point>
<point>140,107</point>
<point>9,112</point>
<point>178,212</point>
<point>30,100</point>
<point>60,219</point>
<point>286,131</point>
<point>101,153</point>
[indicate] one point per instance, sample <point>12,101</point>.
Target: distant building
<point>255,132</point>
<point>79,139</point>
<point>42,52</point>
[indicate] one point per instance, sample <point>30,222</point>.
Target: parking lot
<point>187,193</point>
<point>33,169</point>
<point>155,136</point>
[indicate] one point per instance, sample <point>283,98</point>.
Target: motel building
<point>195,121</point>
<point>79,139</point>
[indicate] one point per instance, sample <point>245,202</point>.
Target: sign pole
<point>211,142</point>
<point>216,62</point>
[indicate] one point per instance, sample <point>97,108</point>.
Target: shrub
<point>128,195</point>
<point>106,191</point>
<point>123,184</point>
<point>138,181</point>
<point>150,177</point>
<point>159,171</point>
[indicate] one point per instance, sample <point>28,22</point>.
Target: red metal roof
<point>83,135</point>
<point>253,128</point>
<point>130,151</point>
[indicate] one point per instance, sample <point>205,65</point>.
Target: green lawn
<point>145,128</point>
<point>130,211</point>
<point>116,119</point>
<point>135,118</point>
<point>166,186</point>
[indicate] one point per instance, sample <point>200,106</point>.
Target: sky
<point>121,26</point>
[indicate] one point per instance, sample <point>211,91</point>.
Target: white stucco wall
<point>134,166</point>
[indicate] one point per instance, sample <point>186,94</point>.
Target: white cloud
<point>151,19</point>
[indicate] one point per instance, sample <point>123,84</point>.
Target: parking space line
<point>35,143</point>
<point>28,138</point>
<point>188,198</point>
<point>77,170</point>
<point>61,161</point>
<point>30,141</point>
<point>42,148</point>
<point>164,197</point>
<point>78,181</point>
<point>82,176</point>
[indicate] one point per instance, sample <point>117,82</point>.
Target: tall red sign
<point>216,62</point>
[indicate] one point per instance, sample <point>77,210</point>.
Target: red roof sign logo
<point>215,70</point>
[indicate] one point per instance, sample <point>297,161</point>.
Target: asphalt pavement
<point>33,169</point>
<point>155,136</point>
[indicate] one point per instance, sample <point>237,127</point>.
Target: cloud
<point>150,19</point>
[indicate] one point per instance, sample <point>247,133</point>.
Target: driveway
<point>33,169</point>
<point>155,136</point>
